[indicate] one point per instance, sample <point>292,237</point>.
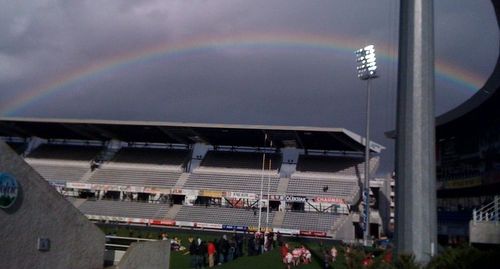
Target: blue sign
<point>8,190</point>
<point>234,228</point>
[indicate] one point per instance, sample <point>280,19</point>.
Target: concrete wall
<point>346,231</point>
<point>147,255</point>
<point>485,232</point>
<point>41,212</point>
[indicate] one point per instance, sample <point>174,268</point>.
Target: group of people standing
<point>295,257</point>
<point>217,251</point>
<point>224,249</point>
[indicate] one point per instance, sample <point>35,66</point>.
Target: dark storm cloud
<point>40,40</point>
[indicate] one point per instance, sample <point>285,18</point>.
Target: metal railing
<point>488,213</point>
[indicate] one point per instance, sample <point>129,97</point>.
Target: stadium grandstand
<point>468,162</point>
<point>296,180</point>
<point>468,167</point>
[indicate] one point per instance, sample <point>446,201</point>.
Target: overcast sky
<point>256,62</point>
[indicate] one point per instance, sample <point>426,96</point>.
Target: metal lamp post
<point>367,67</point>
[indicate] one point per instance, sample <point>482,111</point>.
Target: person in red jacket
<point>283,252</point>
<point>211,254</point>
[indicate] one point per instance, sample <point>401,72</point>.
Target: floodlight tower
<point>367,70</point>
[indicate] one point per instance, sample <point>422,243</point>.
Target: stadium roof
<point>314,138</point>
<point>479,110</point>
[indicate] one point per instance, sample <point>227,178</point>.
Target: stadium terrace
<point>206,176</point>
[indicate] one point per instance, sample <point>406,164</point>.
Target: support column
<point>416,216</point>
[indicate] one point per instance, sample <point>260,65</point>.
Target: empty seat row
<point>345,189</point>
<point>222,215</point>
<point>124,209</point>
<point>331,164</point>
<point>156,156</point>
<point>62,172</point>
<point>135,177</point>
<point>65,152</point>
<point>240,160</point>
<point>231,182</point>
<point>309,221</point>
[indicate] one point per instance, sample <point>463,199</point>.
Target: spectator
<point>306,255</point>
<point>250,245</point>
<point>288,260</point>
<point>195,252</point>
<point>368,260</point>
<point>211,254</point>
<point>284,251</point>
<point>279,238</point>
<point>326,259</point>
<point>231,251</point>
<point>333,253</point>
<point>223,249</point>
<point>296,253</point>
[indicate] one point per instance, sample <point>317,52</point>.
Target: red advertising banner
<point>162,222</point>
<point>333,200</point>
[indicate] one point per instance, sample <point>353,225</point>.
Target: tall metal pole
<point>366,185</point>
<point>416,216</point>
<point>268,191</point>
<point>367,70</point>
<point>262,183</point>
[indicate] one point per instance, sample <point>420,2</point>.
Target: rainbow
<point>341,44</point>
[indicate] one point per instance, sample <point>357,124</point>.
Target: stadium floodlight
<point>367,62</point>
<point>367,70</point>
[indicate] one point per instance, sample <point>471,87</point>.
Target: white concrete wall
<point>484,232</point>
<point>41,212</point>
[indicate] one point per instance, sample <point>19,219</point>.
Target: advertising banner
<point>156,190</point>
<point>462,183</point>
<point>184,223</point>
<point>58,183</point>
<point>286,231</point>
<point>78,185</point>
<point>313,233</point>
<point>162,222</point>
<point>185,192</point>
<point>138,220</point>
<point>240,195</point>
<point>332,200</point>
<point>210,193</point>
<point>234,228</point>
<point>209,225</point>
<point>295,199</point>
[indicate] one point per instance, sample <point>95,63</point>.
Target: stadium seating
<point>331,164</point>
<point>62,162</point>
<point>313,185</point>
<point>230,181</point>
<point>60,172</point>
<point>124,209</point>
<point>221,215</point>
<point>135,176</point>
<point>65,152</point>
<point>240,160</point>
<point>311,221</point>
<point>152,156</point>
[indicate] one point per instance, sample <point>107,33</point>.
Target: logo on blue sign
<point>8,190</point>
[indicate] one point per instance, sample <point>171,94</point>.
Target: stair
<point>181,181</point>
<point>87,175</point>
<point>172,212</point>
<point>77,202</point>
<point>484,228</point>
<point>279,216</point>
<point>283,185</point>
<point>343,229</point>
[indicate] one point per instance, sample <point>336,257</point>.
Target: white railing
<point>488,213</point>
